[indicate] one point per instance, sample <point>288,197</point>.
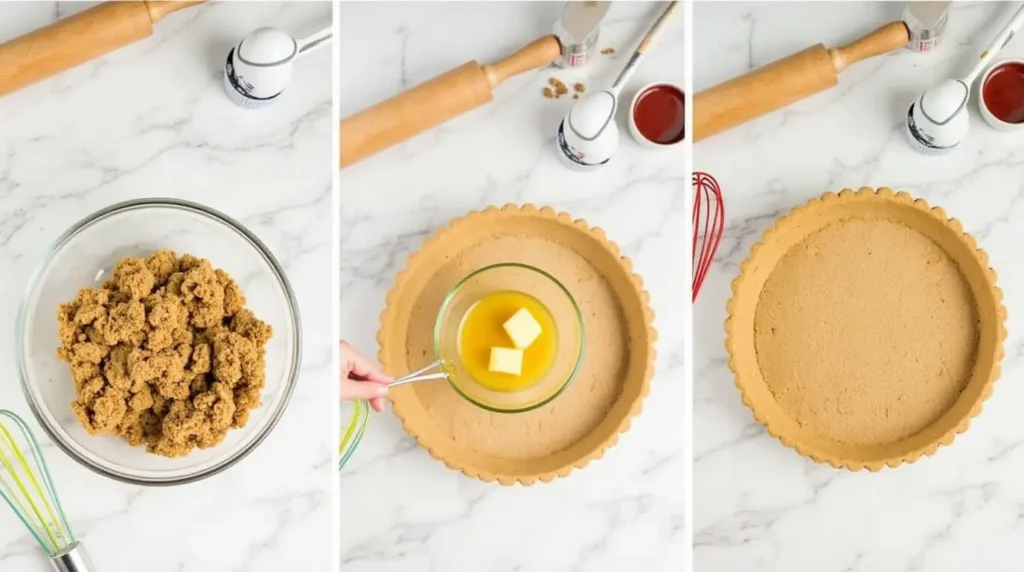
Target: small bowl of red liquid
<point>657,116</point>
<point>1002,95</point>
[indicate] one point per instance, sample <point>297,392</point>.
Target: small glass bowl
<point>533,282</point>
<point>83,257</point>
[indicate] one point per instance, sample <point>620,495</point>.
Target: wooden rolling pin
<point>432,103</point>
<point>786,81</point>
<point>78,39</point>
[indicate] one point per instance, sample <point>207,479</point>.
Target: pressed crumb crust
<point>866,332</point>
<point>607,391</point>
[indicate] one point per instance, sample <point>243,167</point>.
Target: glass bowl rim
<point>210,214</point>
<point>579,320</point>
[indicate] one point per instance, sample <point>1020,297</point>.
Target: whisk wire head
<point>708,226</point>
<point>30,492</point>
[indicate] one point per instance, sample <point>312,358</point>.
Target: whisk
<point>708,226</point>
<point>353,434</point>
<point>26,485</point>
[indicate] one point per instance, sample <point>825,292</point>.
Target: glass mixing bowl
<point>83,257</point>
<point>548,291</point>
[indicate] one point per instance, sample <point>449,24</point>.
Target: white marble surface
<point>151,120</point>
<point>758,505</point>
<point>400,509</point>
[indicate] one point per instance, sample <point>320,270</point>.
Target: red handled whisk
<point>708,226</point>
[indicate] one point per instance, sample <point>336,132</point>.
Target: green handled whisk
<point>26,485</point>
<point>353,434</point>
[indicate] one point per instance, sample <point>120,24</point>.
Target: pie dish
<point>587,418</point>
<point>865,329</point>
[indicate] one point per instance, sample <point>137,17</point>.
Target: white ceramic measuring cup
<point>259,68</point>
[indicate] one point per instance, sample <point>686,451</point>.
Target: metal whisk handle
<point>72,559</point>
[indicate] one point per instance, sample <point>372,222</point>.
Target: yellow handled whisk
<point>26,486</point>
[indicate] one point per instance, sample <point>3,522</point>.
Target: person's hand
<point>360,379</point>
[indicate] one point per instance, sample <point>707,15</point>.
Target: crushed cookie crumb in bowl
<point>158,342</point>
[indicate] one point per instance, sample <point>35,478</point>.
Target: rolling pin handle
<point>883,40</point>
<point>159,9</point>
<point>538,53</point>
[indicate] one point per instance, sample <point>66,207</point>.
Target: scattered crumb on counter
<point>557,88</point>
<point>164,354</point>
<point>608,52</point>
<point>560,88</point>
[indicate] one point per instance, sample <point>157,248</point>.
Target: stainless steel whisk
<point>26,486</point>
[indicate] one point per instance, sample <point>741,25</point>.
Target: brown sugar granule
<point>548,93</point>
<point>579,87</point>
<point>164,354</point>
<point>559,88</point>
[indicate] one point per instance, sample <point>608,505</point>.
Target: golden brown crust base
<point>409,402</point>
<point>786,233</point>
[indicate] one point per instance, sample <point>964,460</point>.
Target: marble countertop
<point>400,509</point>
<point>758,505</point>
<point>152,120</point>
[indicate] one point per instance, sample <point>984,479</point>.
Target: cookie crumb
<point>608,52</point>
<point>579,87</point>
<point>164,354</point>
<point>556,88</point>
<point>575,96</point>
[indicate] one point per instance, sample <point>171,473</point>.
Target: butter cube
<point>506,360</point>
<point>523,328</point>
